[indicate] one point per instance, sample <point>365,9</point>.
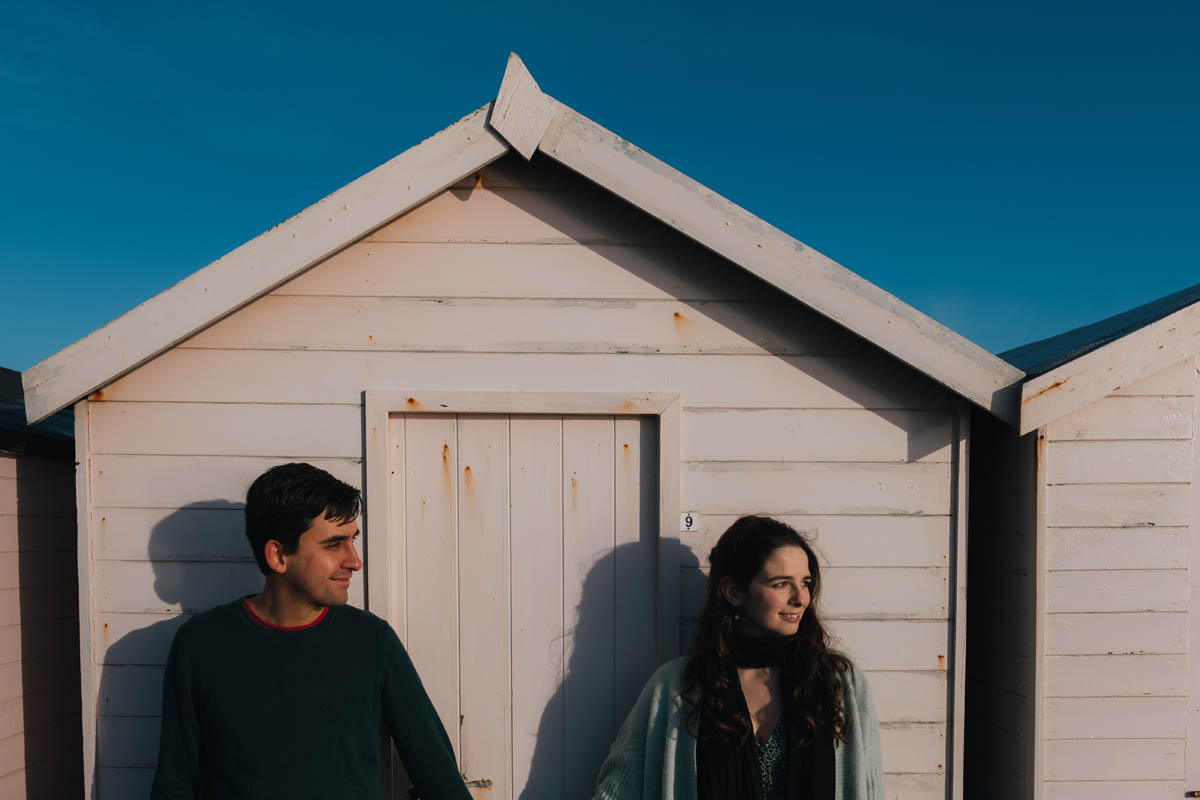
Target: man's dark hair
<point>284,500</point>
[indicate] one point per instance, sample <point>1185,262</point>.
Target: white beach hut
<point>541,352</point>
<point>1084,630</point>
<point>39,626</point>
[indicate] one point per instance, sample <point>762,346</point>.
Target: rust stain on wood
<point>412,403</point>
<point>96,396</point>
<point>1049,388</point>
<point>941,661</point>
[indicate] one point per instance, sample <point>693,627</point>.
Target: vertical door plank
<point>588,597</point>
<point>535,522</point>
<point>431,579</point>
<point>397,513</point>
<point>483,601</point>
<point>636,502</point>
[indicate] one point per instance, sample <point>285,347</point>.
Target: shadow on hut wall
<point>200,560</point>
<point>719,290</point>
<point>48,601</point>
<point>572,741</point>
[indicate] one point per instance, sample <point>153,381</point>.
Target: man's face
<point>323,563</point>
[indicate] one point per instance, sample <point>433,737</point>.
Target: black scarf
<point>728,769</point>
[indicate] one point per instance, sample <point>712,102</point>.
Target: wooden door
<point>530,587</point>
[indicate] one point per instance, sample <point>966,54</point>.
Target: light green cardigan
<point>654,756</point>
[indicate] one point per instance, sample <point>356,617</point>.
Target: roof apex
<point>525,119</point>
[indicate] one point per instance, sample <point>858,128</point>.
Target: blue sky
<point>1014,170</point>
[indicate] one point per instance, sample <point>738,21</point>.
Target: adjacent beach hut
<point>39,623</point>
<point>1084,634</point>
<point>543,354</point>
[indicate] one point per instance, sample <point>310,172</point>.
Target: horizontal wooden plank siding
<point>527,280</point>
<point>1118,591</point>
<point>40,734</point>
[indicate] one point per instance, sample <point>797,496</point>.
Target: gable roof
<point>524,119</point>
<point>1081,366</point>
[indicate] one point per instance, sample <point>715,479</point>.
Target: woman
<point>763,708</point>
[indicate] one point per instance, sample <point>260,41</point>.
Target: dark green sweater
<point>250,712</point>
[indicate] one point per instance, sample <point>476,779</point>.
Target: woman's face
<point>774,602</point>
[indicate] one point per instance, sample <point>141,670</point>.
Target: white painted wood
<point>596,270</point>
<point>521,112</point>
<point>194,481</point>
<point>1035,670</point>
<point>88,683</point>
<point>234,429</point>
<point>1117,590</point>
<point>149,647</point>
<point>1117,548</point>
<point>913,747</point>
<point>1114,718</point>
<point>914,786</point>
<point>128,782</point>
<point>1119,462</point>
<point>394,561</point>
<point>225,376</point>
<point>431,580</point>
<point>1116,633</point>
<point>916,645</point>
<point>538,660</point>
<point>484,581</point>
<point>204,534</point>
<point>523,402</point>
<point>902,696</point>
<point>1192,743</point>
<point>1116,676</point>
<point>779,259</point>
<point>517,326</point>
<point>1126,418</point>
<point>1114,759</point>
<point>132,691</point>
<point>558,216</point>
<point>848,540</point>
<point>857,593</point>
<point>635,489</point>
<point>1117,505</point>
<point>128,741</point>
<point>829,488</point>
<point>261,264</point>
<point>670,492</point>
<point>589,597</point>
<point>816,435</point>
<point>1127,360</point>
<point>1115,790</point>
<point>148,586</point>
<point>956,658</point>
<point>1177,379</point>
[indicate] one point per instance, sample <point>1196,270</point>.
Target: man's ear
<point>276,560</point>
<point>730,591</point>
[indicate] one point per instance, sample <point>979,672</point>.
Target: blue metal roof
<point>52,436</point>
<point>1044,355</point>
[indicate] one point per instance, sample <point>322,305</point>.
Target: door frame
<point>383,563</point>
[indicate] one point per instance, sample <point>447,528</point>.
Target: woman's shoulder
<point>670,673</point>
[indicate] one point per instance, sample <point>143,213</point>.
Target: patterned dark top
<point>772,760</point>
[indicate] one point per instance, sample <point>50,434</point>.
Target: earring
<point>737,615</point>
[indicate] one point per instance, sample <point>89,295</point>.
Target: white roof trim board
<point>529,116</point>
<point>1102,371</point>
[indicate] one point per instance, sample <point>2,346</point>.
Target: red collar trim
<point>272,626</point>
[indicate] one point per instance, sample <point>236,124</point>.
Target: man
<point>283,694</point>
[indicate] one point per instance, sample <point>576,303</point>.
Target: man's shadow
<point>200,559</point>
<point>607,666</point>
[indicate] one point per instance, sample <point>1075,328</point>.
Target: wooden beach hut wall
<point>39,622</point>
<point>540,351</point>
<point>1084,630</point>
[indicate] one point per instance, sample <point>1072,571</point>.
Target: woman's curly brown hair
<point>815,669</point>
